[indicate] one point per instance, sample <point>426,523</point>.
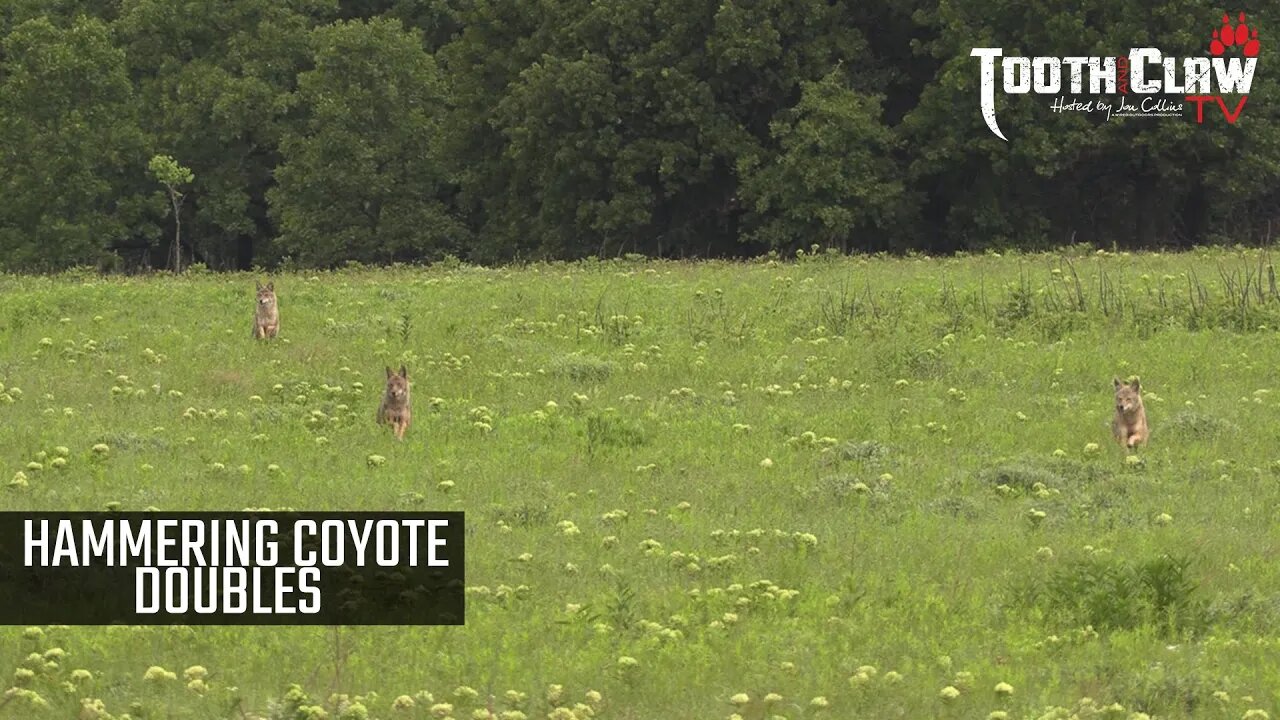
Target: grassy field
<point>819,487</point>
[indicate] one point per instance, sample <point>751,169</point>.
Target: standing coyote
<point>1130,423</point>
<point>266,316</point>
<point>394,409</point>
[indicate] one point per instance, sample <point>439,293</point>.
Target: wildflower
<point>766,463</point>
<point>740,699</point>
<point>403,703</point>
<point>819,703</point>
<point>1004,689</point>
<point>155,673</point>
<point>949,693</point>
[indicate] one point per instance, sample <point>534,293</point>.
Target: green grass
<point>755,478</point>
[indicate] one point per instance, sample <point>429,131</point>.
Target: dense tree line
<point>316,132</point>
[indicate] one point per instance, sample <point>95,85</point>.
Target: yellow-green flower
<point>155,673</point>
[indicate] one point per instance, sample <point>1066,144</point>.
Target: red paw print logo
<point>1240,36</point>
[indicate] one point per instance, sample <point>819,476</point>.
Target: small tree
<point>171,175</point>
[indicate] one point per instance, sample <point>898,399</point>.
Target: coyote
<point>1130,423</point>
<point>266,316</point>
<point>394,409</point>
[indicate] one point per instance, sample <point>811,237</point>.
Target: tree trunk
<point>177,233</point>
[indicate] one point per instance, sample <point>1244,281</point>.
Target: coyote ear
<point>255,282</point>
<point>271,286</point>
<point>404,373</point>
<point>1116,381</point>
<point>1136,387</point>
<point>389,372</point>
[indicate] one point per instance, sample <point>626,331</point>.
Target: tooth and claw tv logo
<point>1143,72</point>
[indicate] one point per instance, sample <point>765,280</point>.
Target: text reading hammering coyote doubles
<point>369,568</point>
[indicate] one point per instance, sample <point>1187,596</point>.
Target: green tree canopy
<point>362,177</point>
